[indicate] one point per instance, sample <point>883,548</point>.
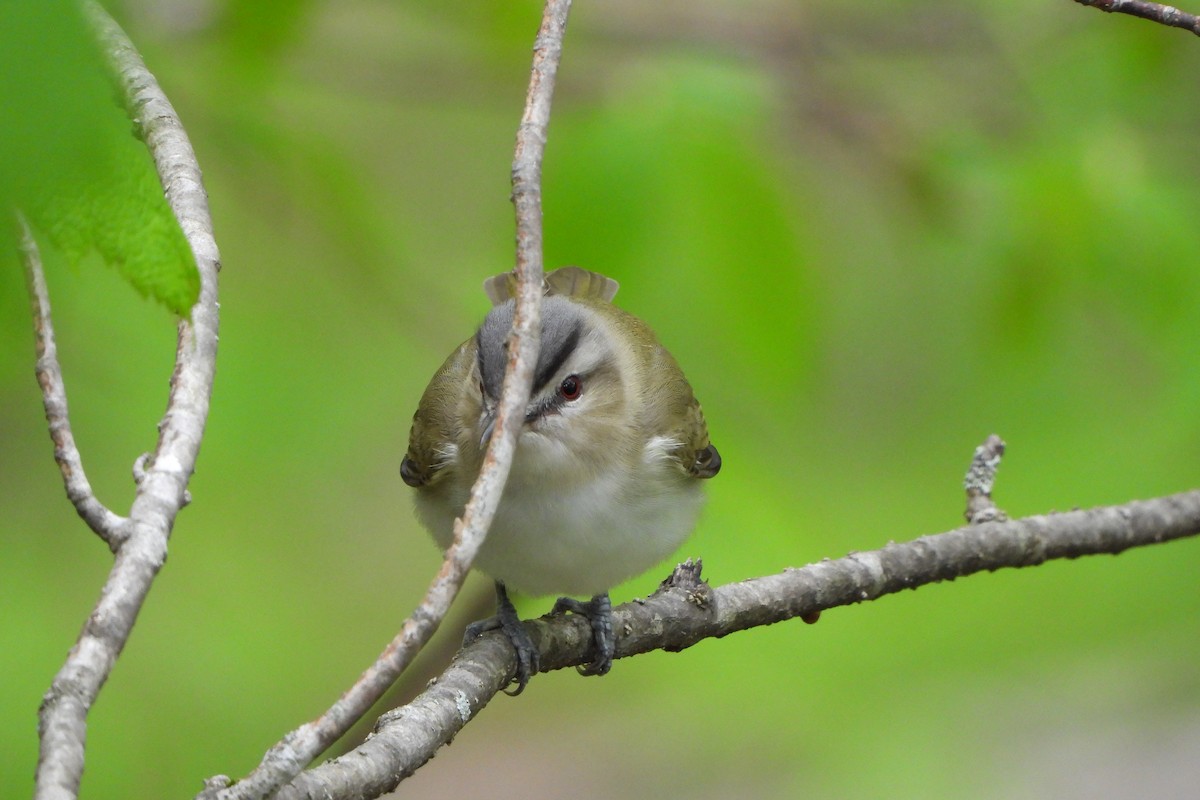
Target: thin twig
<point>285,760</point>
<point>686,611</point>
<point>980,478</point>
<point>1155,12</point>
<point>108,526</point>
<point>161,492</point>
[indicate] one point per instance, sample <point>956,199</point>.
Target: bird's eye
<point>571,388</point>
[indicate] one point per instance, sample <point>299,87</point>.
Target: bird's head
<point>578,402</point>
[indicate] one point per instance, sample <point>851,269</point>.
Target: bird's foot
<point>507,621</point>
<point>598,612</point>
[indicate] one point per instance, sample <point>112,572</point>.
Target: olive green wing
<point>432,446</point>
<point>680,418</point>
<point>697,455</point>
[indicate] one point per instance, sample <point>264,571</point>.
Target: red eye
<point>570,388</point>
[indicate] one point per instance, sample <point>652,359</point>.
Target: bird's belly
<point>584,540</point>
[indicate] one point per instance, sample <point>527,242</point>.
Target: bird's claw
<point>529,661</point>
<point>598,612</point>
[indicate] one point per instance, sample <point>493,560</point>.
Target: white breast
<point>553,538</point>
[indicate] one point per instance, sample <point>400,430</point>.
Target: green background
<point>872,233</point>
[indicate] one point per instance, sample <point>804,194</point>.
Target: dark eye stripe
<point>551,362</point>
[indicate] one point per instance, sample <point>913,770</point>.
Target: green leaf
<point>72,162</point>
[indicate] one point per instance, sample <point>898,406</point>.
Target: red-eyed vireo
<point>606,480</point>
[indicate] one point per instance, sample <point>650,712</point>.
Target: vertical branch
<point>108,526</point>
<point>162,485</point>
<point>287,758</point>
<point>525,339</point>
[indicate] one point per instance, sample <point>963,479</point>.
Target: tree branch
<point>685,611</point>
<point>162,490</point>
<point>1155,12</point>
<point>980,478</point>
<point>285,760</point>
<point>108,526</point>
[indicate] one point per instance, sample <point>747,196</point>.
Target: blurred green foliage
<point>871,233</point>
<point>70,162</point>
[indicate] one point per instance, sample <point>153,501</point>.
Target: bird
<point>608,472</point>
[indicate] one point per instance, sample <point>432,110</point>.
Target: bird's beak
<point>487,424</point>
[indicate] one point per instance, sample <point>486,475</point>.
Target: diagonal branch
<point>685,611</point>
<point>285,760</point>
<point>162,488</point>
<point>108,526</point>
<point>1155,12</point>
